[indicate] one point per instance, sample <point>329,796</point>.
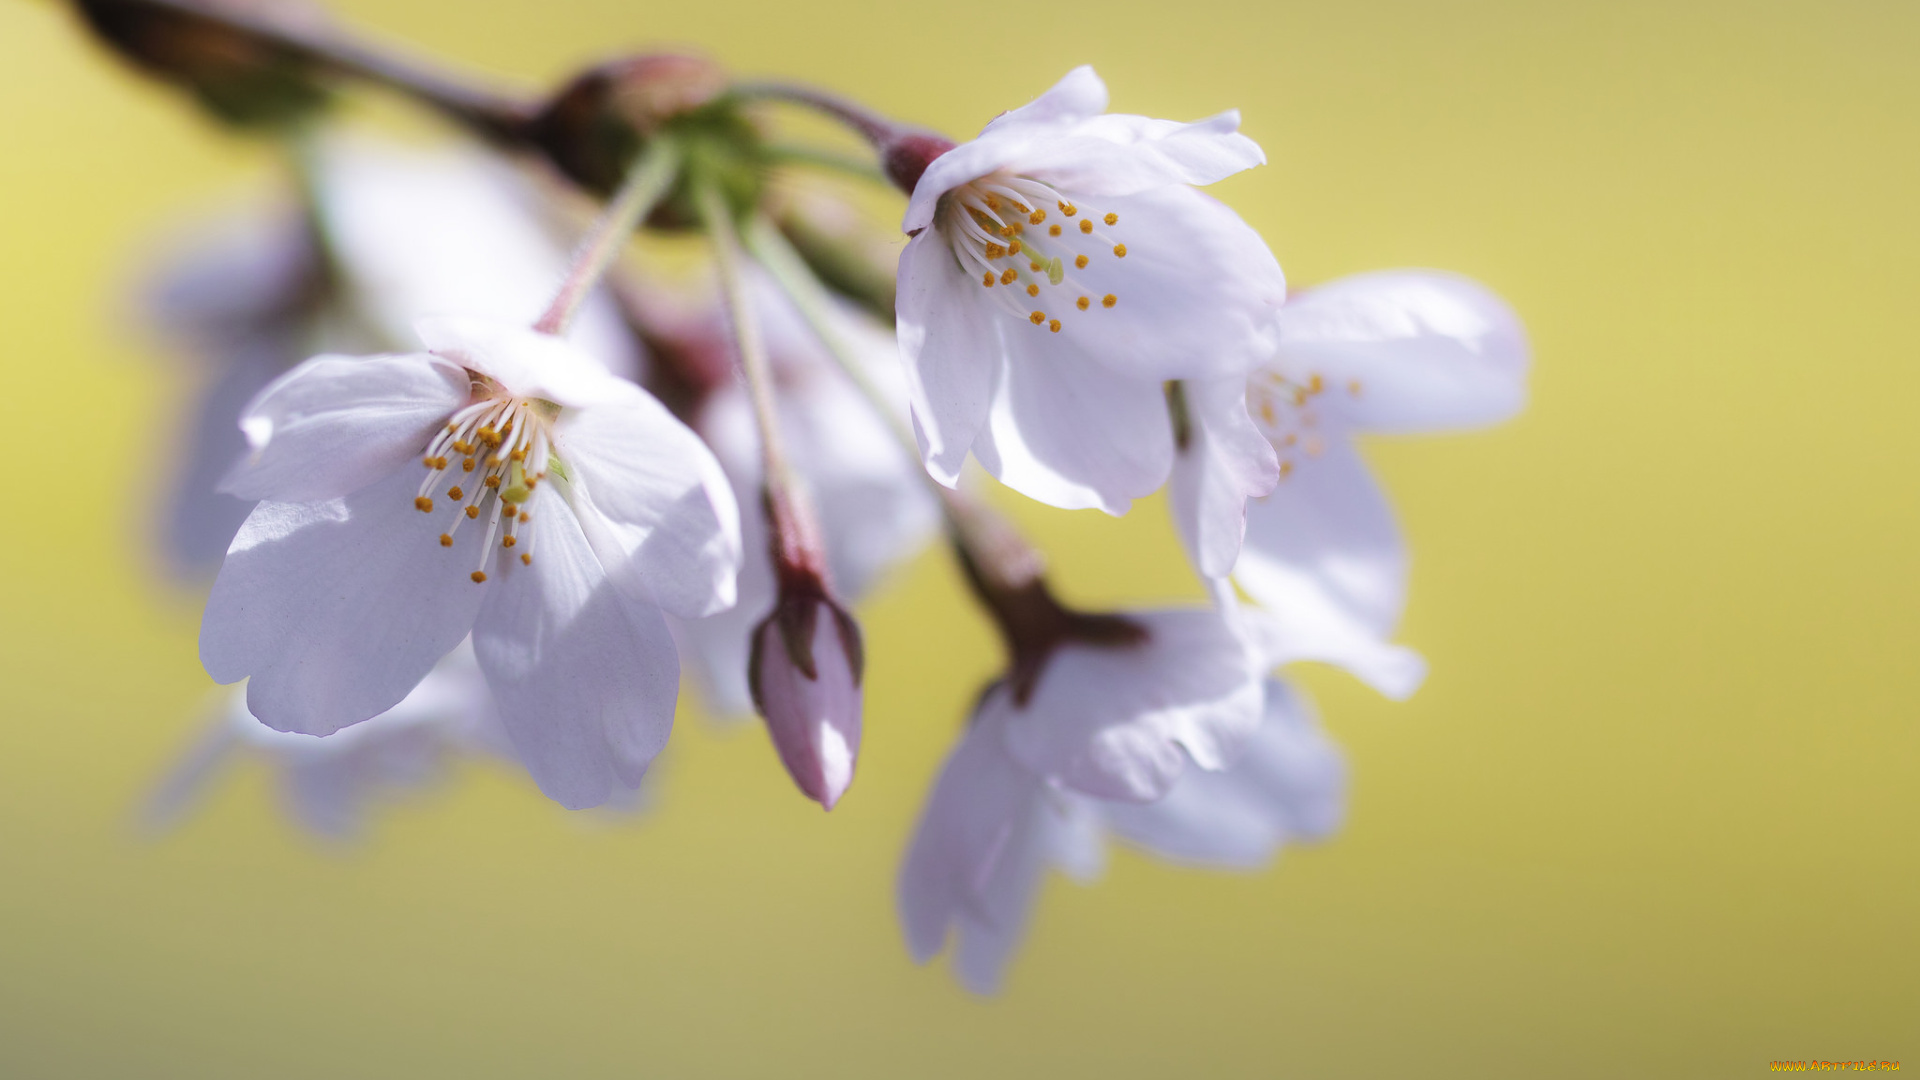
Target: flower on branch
<point>1061,268</point>
<point>501,483</point>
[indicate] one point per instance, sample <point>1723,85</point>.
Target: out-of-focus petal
<point>335,424</point>
<point>1406,351</point>
<point>525,361</point>
<point>1288,783</point>
<point>1325,539</point>
<point>1123,722</point>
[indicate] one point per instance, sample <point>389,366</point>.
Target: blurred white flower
<point>992,828</point>
<point>330,785</point>
<point>575,509</point>
<point>1061,268</point>
<point>395,234</point>
<point>1392,352</point>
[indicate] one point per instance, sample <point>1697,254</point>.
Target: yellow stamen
<point>1083,303</point>
<point>1119,251</point>
<point>1112,219</point>
<point>1037,317</point>
<point>1109,300</point>
<point>423,504</point>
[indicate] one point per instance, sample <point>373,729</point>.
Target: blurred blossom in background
<point>1650,809</point>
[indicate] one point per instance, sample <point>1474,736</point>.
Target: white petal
<point>1007,138</point>
<point>1079,95</point>
<point>1406,351</point>
<point>988,833</point>
<point>1289,783</point>
<point>586,679</point>
<point>1122,723</point>
<point>1311,629</point>
<point>950,339</point>
<point>1118,154</point>
<point>980,797</point>
<point>654,503</point>
<point>1195,294</point>
<point>335,424</point>
<point>1225,462</point>
<point>525,361</point>
<point>337,609</point>
<point>1068,432</point>
<point>1326,539</point>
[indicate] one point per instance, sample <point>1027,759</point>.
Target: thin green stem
<point>648,179</point>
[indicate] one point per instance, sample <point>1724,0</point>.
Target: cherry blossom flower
<point>1272,456</point>
<point>806,666</point>
<point>992,828</point>
<point>401,234</point>
<point>1061,268</point>
<point>559,511</point>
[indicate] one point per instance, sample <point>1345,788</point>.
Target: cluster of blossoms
<point>464,493</point>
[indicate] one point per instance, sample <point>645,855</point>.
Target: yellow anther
<point>1036,267</point>
<point>524,518</point>
<point>1291,437</point>
<point>1286,469</point>
<point>1037,317</point>
<point>446,539</point>
<point>492,481</point>
<point>478,576</point>
<point>1354,388</point>
<point>509,541</point>
<point>1053,230</point>
<point>1112,219</point>
<point>987,279</point>
<point>1054,325</point>
<point>1080,261</point>
<point>1036,217</point>
<point>467,465</point>
<point>1109,300</point>
<point>1083,303</point>
<point>1119,251</point>
<point>439,462</point>
<point>1013,248</point>
<point>517,455</point>
<point>1266,412</point>
<point>1033,290</point>
<point>1005,230</point>
<point>995,251</point>
<point>993,201</point>
<point>526,558</point>
<point>472,512</point>
<point>1069,209</point>
<point>462,446</point>
<point>423,504</point>
<point>1316,384</point>
<point>456,493</point>
<point>1086,225</point>
<point>1019,227</point>
<point>1009,276</point>
<point>427,461</point>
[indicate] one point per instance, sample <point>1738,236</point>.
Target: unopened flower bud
<point>805,674</point>
<point>598,123</point>
<point>243,77</point>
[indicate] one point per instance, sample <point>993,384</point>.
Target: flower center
<point>1282,408</point>
<point>1000,230</point>
<point>491,455</point>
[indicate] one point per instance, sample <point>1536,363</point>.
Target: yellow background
<point>1654,813</point>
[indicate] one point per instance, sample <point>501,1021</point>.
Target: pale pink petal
<point>335,424</point>
<point>585,678</point>
<point>1406,351</point>
<point>1068,432</point>
<point>525,361</point>
<point>654,503</point>
<point>950,338</point>
<point>1223,462</point>
<point>338,609</point>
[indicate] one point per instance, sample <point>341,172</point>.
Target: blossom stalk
<point>648,179</point>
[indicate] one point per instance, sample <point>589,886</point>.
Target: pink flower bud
<point>805,675</point>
